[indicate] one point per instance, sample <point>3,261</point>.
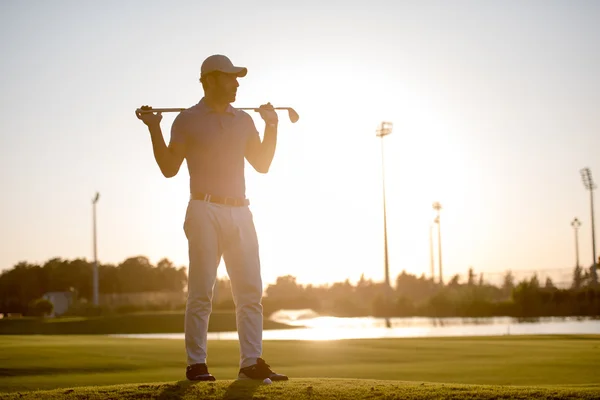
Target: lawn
<point>310,389</point>
<point>34,362</point>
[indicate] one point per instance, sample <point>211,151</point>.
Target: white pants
<point>214,231</point>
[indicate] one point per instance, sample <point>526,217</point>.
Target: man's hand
<point>268,114</point>
<point>150,119</point>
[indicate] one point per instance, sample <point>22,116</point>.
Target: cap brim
<point>240,72</point>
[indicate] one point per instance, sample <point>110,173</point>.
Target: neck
<point>215,103</point>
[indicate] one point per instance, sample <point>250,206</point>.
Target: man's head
<point>219,78</point>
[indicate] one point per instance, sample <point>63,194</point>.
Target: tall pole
<point>385,238</point>
<point>95,273</point>
<point>589,184</point>
<point>437,206</point>
<point>385,129</point>
<point>431,261</point>
<point>576,224</point>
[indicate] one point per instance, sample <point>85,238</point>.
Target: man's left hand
<point>268,114</point>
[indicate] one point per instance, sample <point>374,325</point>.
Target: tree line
<point>421,296</point>
<point>410,295</point>
<point>26,282</point>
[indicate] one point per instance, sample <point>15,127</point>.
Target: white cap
<point>221,63</point>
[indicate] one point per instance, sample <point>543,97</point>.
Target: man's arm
<point>169,159</point>
<point>260,154</point>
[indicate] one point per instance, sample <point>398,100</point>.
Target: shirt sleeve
<point>251,127</point>
<point>178,131</point>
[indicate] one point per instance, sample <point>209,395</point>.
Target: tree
<point>586,279</point>
<point>592,279</point>
<point>535,283</point>
<point>40,307</point>
<point>169,277</point>
<point>508,283</point>
<point>19,286</point>
<point>526,298</point>
<point>578,278</point>
<point>454,281</point>
<point>471,279</point>
<point>134,275</point>
<point>285,287</point>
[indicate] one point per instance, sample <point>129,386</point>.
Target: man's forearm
<point>162,155</point>
<point>269,143</point>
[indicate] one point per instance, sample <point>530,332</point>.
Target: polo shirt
<point>215,145</point>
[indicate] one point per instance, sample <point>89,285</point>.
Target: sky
<point>494,108</point>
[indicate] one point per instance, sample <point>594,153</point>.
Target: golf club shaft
<point>164,110</point>
<point>292,114</point>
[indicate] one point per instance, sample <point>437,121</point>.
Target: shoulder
<point>186,116</point>
<point>245,122</point>
<point>243,116</point>
<point>240,113</point>
<point>190,112</point>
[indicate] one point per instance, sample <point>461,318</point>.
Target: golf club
<point>293,115</point>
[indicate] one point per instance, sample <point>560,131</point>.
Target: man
<point>216,139</point>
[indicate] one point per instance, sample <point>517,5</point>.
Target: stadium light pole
<point>385,128</point>
<point>95,273</point>
<point>437,206</point>
<point>431,261</point>
<point>589,184</point>
<point>576,224</point>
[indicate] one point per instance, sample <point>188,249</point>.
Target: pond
<point>310,326</point>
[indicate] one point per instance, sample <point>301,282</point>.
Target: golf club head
<point>294,117</point>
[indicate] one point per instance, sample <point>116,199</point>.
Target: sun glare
<point>326,179</point>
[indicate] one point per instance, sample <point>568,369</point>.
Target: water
<point>310,326</point>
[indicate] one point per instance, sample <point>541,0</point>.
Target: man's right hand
<point>150,119</point>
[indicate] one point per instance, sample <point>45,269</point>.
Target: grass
<point>550,364</point>
<point>310,389</point>
<point>154,322</point>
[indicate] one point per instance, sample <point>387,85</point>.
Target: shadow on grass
<point>177,391</point>
<point>238,390</point>
<point>241,390</point>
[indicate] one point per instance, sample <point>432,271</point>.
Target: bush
<point>40,307</point>
<point>84,309</point>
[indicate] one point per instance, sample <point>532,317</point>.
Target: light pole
<point>576,224</point>
<point>589,184</point>
<point>385,129</point>
<point>431,252</point>
<point>95,283</point>
<point>437,206</point>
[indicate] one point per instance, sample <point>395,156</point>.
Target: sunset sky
<point>495,107</point>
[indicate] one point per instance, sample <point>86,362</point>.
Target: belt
<point>228,201</point>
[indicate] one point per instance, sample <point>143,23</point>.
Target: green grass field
<point>308,389</point>
<point>517,366</point>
